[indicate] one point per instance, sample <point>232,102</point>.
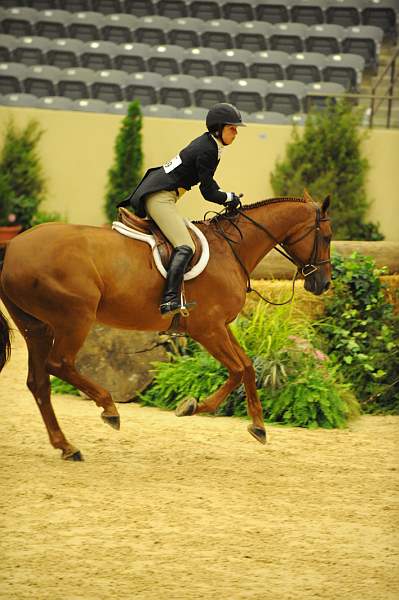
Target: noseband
<point>306,269</point>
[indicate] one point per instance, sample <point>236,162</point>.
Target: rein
<point>305,269</point>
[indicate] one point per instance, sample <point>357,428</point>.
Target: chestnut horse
<point>58,279</point>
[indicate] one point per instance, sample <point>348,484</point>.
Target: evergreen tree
<point>126,171</point>
<point>22,183</point>
<point>327,159</point>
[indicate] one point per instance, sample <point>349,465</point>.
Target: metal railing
<point>388,96</point>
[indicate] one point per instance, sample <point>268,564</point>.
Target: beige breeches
<point>161,207</point>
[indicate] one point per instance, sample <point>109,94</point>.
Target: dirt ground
<point>193,508</point>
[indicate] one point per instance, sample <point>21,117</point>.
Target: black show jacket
<point>196,163</point>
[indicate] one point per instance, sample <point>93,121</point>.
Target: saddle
<point>163,245</point>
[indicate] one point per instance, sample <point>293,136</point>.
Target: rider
<point>157,193</point>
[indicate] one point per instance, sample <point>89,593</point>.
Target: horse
<point>58,279</point>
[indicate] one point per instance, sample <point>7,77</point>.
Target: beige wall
<point>77,151</point>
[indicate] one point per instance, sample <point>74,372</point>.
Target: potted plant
<point>22,184</point>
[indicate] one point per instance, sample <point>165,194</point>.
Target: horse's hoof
<point>186,408</point>
<point>113,420</point>
<point>74,456</point>
<point>258,433</point>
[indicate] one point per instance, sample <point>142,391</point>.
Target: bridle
<point>305,268</point>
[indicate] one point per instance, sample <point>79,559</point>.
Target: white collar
<point>219,145</point>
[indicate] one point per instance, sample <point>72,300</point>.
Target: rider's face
<point>229,134</point>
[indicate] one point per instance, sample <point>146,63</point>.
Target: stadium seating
<point>307,68</point>
<point>199,62</point>
<point>52,23</point>
<point>98,55</point>
<point>160,110</point>
<point>233,63</point>
<point>131,57</point>
<point>90,105</point>
<point>252,36</point>
<point>177,90</point>
<point>12,76</point>
<point>118,28</point>
<point>64,53</point>
<point>269,65</point>
<point>165,60</point>
<point>345,13</point>
<point>185,32</point>
<point>219,34</point>
<point>364,40</point>
<point>20,100</point>
<point>30,50</point>
<point>248,94</point>
<point>345,69</point>
<point>173,9</point>
<point>109,85</point>
<point>308,12</point>
<point>18,21</point>
<point>41,80</point>
<point>210,90</point>
<point>288,37</point>
<point>75,83</point>
<point>143,87</point>
<point>56,103</point>
<point>318,94</point>
<point>382,14</point>
<point>285,97</point>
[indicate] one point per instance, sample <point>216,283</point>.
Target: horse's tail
<point>5,341</point>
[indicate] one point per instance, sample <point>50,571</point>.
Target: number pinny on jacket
<point>196,163</point>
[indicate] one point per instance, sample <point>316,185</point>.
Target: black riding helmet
<point>222,114</point>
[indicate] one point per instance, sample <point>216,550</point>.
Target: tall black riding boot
<point>171,299</point>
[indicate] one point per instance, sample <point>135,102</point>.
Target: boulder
<point>385,254</point>
<point>109,357</point>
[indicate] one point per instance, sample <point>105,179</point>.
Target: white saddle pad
<point>149,239</point>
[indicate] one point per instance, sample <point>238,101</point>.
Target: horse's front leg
<point>223,346</point>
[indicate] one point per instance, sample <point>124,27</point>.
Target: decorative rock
<point>109,358</point>
<point>385,254</point>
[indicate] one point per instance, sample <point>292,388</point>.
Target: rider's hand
<point>233,201</point>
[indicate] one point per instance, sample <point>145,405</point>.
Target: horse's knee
<point>237,376</point>
<point>249,372</point>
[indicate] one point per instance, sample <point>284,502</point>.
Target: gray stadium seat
<point>143,87</point>
<point>285,96</point>
<point>98,55</point>
<point>52,23</point>
<point>268,118</point>
<point>152,30</point>
<point>288,37</point>
<point>318,94</point>
<point>177,90</point>
<point>185,32</point>
<point>219,34</point>
<point>205,10</point>
<point>366,41</point>
<point>40,4</point>
<point>345,69</point>
<point>299,119</point>
<point>90,105</point>
<point>86,26</point>
<point>306,67</point>
<point>118,28</point>
<point>248,94</point>
<point>18,21</point>
<point>308,12</point>
<point>196,113</point>
<point>233,63</point>
<point>210,90</point>
<point>382,14</point>
<point>160,110</point>
<point>64,53</point>
<point>131,58</point>
<point>238,10</point>
<point>139,8</point>
<point>27,100</point>
<point>173,9</point>
<point>271,11</point>
<point>75,5</point>
<point>325,39</point>
<point>199,62</point>
<point>7,44</point>
<point>107,7</point>
<point>30,50</point>
<point>109,85</point>
<point>343,12</point>
<point>11,78</point>
<point>164,60</point>
<point>253,36</point>
<point>41,80</point>
<point>118,108</point>
<point>75,83</point>
<point>268,65</point>
<point>56,103</point>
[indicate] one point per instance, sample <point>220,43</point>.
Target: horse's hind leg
<point>61,362</point>
<point>39,339</point>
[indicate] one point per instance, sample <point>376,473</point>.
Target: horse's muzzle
<point>317,284</point>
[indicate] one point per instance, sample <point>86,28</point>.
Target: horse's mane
<point>264,203</point>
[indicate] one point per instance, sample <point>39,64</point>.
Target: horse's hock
<point>109,357</point>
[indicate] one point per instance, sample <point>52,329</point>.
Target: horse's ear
<point>306,196</point>
<point>326,204</point>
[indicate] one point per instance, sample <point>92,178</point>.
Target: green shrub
<point>327,159</point>
<point>59,386</point>
<point>126,171</point>
<point>362,333</point>
<point>22,184</point>
<point>43,216</point>
<point>282,349</point>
